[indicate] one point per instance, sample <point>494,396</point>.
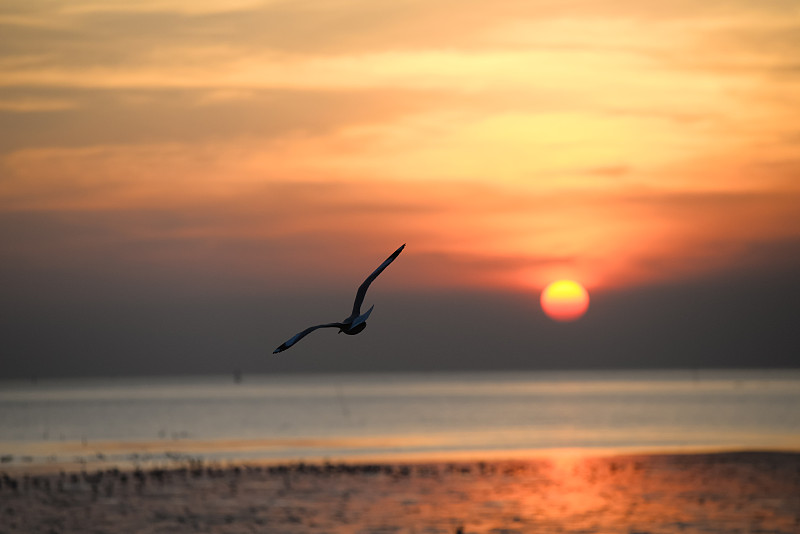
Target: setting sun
<point>565,300</point>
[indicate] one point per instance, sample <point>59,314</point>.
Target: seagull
<point>357,321</point>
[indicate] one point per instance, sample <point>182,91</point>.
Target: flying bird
<point>357,321</point>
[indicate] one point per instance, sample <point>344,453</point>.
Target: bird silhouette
<point>357,321</point>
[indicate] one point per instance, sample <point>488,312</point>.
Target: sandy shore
<point>688,493</point>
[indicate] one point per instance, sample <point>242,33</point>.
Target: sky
<point>186,184</point>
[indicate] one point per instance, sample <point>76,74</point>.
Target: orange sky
<point>509,144</point>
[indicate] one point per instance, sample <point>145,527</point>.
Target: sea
<point>355,417</point>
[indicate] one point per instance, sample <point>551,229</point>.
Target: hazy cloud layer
<point>163,157</point>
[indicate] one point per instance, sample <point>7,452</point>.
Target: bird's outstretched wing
<point>362,289</point>
<point>297,337</point>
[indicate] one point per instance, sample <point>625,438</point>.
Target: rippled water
<point>342,416</point>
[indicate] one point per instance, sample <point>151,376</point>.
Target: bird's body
<point>357,321</point>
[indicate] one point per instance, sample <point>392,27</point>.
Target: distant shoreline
<point>172,461</point>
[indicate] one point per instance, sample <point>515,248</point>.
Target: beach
<point>622,452</point>
<point>567,492</point>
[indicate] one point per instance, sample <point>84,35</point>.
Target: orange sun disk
<point>565,300</point>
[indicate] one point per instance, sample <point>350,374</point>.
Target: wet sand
<point>687,493</point>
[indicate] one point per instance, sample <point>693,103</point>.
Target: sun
<point>565,300</point>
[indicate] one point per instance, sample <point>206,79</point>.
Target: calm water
<point>345,416</point>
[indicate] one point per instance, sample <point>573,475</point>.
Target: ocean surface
<point>353,416</point>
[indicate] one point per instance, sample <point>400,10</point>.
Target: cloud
<point>90,117</point>
<point>182,209</point>
<point>597,132</point>
<point>166,38</point>
<point>27,104</point>
<point>613,170</point>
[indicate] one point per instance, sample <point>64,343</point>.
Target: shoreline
<point>176,461</point>
<point>21,459</point>
<point>41,457</point>
<point>681,492</point>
